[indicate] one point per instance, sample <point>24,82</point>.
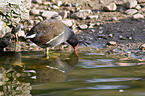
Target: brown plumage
<point>50,33</point>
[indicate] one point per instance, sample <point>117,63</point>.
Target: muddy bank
<point>94,25</point>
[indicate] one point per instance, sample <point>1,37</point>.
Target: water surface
<point>66,74</point>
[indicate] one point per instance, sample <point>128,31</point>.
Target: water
<point>66,74</point>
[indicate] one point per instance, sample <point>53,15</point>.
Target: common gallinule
<point>50,33</point>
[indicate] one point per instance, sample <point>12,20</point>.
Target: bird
<point>50,33</point>
<point>4,41</point>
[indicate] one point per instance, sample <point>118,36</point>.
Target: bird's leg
<point>47,52</point>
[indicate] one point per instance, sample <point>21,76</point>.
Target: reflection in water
<point>16,74</point>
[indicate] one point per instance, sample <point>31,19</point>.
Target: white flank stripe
<point>54,38</point>
<point>31,36</point>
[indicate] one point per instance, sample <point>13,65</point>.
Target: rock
<point>34,11</point>
<point>141,1</point>
<point>122,38</point>
<point>82,14</point>
<point>138,16</point>
<point>39,18</point>
<point>37,1</point>
<point>110,7</point>
<point>138,7</point>
<point>49,14</point>
<point>131,11</point>
<point>110,35</point>
<point>55,7</point>
<point>75,4</point>
<point>58,17</point>
<point>63,14</point>
<point>114,19</point>
<point>59,3</point>
<point>142,47</point>
<point>93,16</point>
<point>83,26</point>
<point>111,43</point>
<point>103,36</point>
<point>46,3</point>
<point>131,4</point>
<point>67,22</point>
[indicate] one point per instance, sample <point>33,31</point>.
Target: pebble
<point>131,4</point>
<point>82,14</point>
<point>93,16</point>
<point>39,18</point>
<point>59,3</point>
<point>58,17</point>
<point>138,16</point>
<point>121,37</point>
<point>67,22</point>
<point>55,7</point>
<point>131,11</point>
<point>34,11</point>
<point>141,1</point>
<point>114,19</point>
<point>37,1</point>
<point>83,26</point>
<point>49,14</point>
<point>142,47</point>
<point>110,35</point>
<point>110,7</point>
<point>138,7</point>
<point>111,43</point>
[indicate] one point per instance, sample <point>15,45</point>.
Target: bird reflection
<point>55,70</point>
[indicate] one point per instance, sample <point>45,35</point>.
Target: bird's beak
<point>75,49</point>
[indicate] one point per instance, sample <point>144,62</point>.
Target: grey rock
<point>55,7</point>
<point>93,16</point>
<point>37,1</point>
<point>59,3</point>
<point>110,7</point>
<point>82,14</point>
<point>131,11</point>
<point>83,26</point>
<point>114,19</point>
<point>34,11</point>
<point>58,17</point>
<point>111,43</point>
<point>49,14</point>
<point>131,3</point>
<point>67,22</point>
<point>138,7</point>
<point>39,18</point>
<point>142,47</point>
<point>138,16</point>
<point>141,1</point>
<point>63,14</point>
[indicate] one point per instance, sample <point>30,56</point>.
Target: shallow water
<point>66,74</point>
